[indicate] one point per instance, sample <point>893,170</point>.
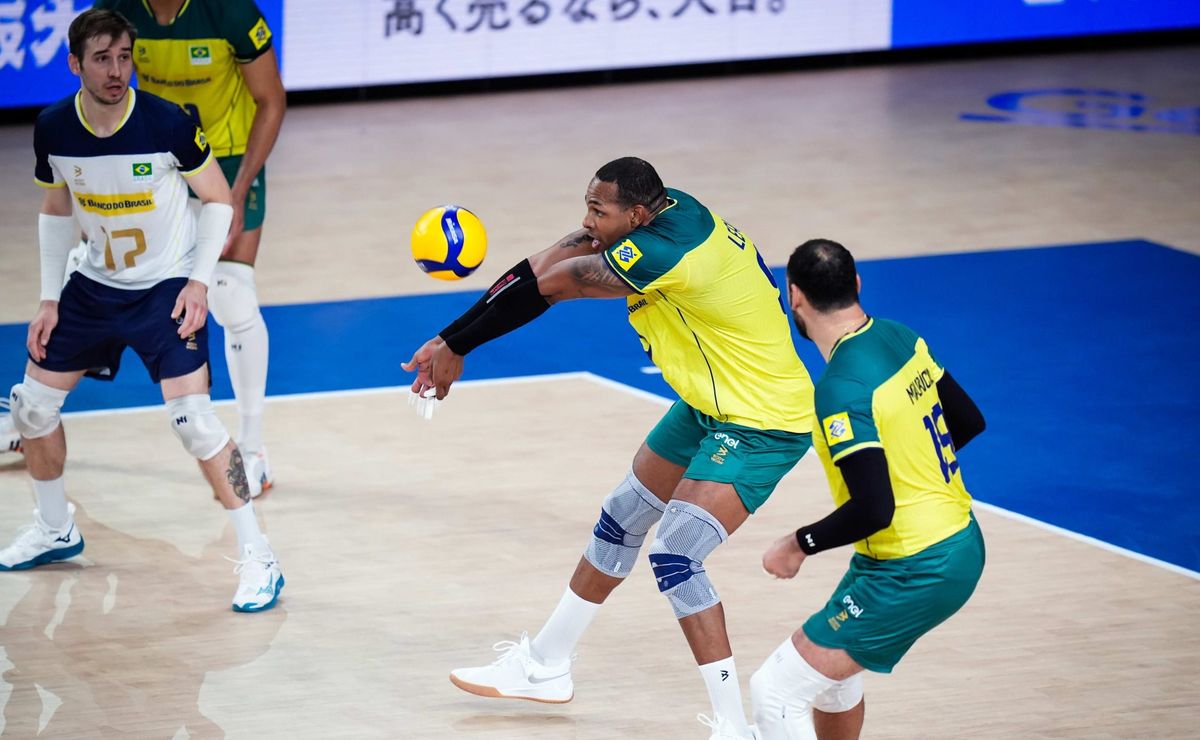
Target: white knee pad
<point>783,692</point>
<point>233,297</point>
<point>196,424</point>
<point>842,696</point>
<point>35,408</point>
<point>625,517</point>
<point>686,535</point>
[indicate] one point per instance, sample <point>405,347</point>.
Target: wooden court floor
<point>410,547</point>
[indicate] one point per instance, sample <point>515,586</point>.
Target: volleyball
<point>449,242</point>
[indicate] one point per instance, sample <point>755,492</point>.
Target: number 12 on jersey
<point>942,443</point>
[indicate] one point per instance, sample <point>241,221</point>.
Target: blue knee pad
<point>686,536</point>
<point>625,517</point>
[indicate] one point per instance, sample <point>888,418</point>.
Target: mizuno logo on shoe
<point>66,538</point>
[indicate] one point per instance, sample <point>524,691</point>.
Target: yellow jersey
<point>709,315</point>
<point>194,61</point>
<point>880,390</point>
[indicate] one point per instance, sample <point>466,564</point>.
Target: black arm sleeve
<point>513,301</point>
<point>964,420</point>
<point>869,509</point>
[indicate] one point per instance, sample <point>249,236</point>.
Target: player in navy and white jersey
<point>118,164</point>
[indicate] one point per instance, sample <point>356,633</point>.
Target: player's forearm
<point>963,418</point>
<point>870,508</point>
<point>57,235</point>
<point>509,304</point>
<point>211,229</point>
<point>264,132</point>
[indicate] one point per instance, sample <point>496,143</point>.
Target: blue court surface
<point>1084,359</point>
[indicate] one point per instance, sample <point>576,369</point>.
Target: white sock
<point>247,529</point>
<point>250,433</point>
<point>51,501</point>
<point>563,629</point>
<point>726,695</point>
<point>247,348</point>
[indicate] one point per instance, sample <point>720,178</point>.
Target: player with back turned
<point>891,421</point>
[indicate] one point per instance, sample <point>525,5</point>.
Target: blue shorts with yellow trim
<point>881,607</point>
<point>752,460</point>
<point>96,322</point>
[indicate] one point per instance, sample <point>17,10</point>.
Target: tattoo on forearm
<point>236,475</point>
<point>574,240</point>
<point>593,272</point>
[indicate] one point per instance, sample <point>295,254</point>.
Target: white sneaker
<point>258,472</point>
<point>723,729</point>
<point>10,439</point>
<point>38,543</point>
<point>261,580</point>
<point>516,674</point>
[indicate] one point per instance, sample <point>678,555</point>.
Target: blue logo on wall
<point>1082,108</point>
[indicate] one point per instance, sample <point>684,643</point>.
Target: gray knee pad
<point>686,535</point>
<point>625,517</point>
<point>35,408</point>
<point>196,424</point>
<point>233,298</point>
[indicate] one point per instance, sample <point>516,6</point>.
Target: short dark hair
<point>824,272</point>
<point>637,182</point>
<point>94,23</point>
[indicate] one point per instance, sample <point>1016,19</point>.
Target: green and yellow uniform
<point>194,61</point>
<point>880,390</point>
<point>708,314</point>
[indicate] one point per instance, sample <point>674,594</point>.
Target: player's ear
<point>857,284</point>
<point>794,296</point>
<point>73,64</point>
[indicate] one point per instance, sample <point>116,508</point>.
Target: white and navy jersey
<point>129,194</point>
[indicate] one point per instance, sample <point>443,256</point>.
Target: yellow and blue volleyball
<point>449,242</point>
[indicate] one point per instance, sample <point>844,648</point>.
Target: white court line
<point>660,400</point>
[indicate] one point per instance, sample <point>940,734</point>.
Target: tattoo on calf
<point>236,475</point>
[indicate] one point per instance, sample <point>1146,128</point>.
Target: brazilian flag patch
<point>260,34</point>
<point>142,171</point>
<point>200,54</point>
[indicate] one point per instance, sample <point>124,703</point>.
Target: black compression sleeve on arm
<point>519,273</point>
<point>507,306</point>
<point>869,509</point>
<point>964,420</point>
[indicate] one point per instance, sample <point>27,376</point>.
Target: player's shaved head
<point>824,272</point>
<point>94,24</point>
<point>636,180</point>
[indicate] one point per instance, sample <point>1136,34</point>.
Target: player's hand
<point>437,368</point>
<point>784,557</point>
<point>192,307</point>
<point>40,328</point>
<point>422,364</point>
<point>237,225</point>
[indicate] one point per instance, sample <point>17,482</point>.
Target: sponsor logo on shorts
<point>854,609</point>
<point>837,429</point>
<point>626,254</point>
<point>116,205</point>
<point>731,442</point>
<point>200,54</point>
<point>191,342</point>
<point>719,456</point>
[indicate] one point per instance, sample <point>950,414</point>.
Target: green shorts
<point>753,460</point>
<point>256,199</point>
<point>881,607</point>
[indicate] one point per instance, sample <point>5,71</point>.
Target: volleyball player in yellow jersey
<point>891,421</point>
<point>709,315</point>
<point>215,58</point>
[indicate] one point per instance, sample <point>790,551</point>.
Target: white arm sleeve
<point>211,230</point>
<point>57,236</point>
